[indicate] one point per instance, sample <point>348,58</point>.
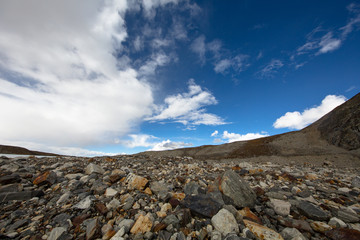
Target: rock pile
<point>135,197</point>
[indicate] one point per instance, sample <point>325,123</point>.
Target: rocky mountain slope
<point>335,136</point>
<point>5,149</point>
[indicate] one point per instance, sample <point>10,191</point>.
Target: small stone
<point>119,234</point>
<point>171,220</point>
<point>281,207</point>
<point>160,186</point>
<point>224,222</point>
<point>232,186</point>
<point>312,211</point>
<point>101,208</point>
<point>356,182</point>
<point>335,222</point>
<point>91,228</point>
<point>93,168</point>
<point>311,176</point>
<point>56,233</point>
<point>191,188</point>
<point>110,192</point>
<point>113,204</point>
<point>262,232</point>
<point>63,198</point>
<point>127,224</point>
<point>148,191</point>
<point>136,182</point>
<point>143,224</point>
<point>84,204</point>
<point>343,233</point>
<point>292,234</point>
<point>320,226</point>
<point>215,235</point>
<point>248,214</point>
<point>160,226</point>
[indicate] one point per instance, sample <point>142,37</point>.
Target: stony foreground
<point>134,197</point>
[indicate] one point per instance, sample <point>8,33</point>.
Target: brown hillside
<point>4,149</point>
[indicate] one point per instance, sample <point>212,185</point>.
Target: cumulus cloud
<point>215,133</point>
<point>60,82</point>
<point>189,108</point>
<point>233,137</point>
<point>145,140</point>
<point>297,120</point>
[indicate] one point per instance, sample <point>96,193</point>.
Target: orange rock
<point>135,181</point>
<point>248,214</point>
<point>148,191</point>
<point>311,176</point>
<point>179,196</point>
<point>262,232</point>
<point>109,159</point>
<point>142,225</point>
<point>109,234</point>
<point>236,168</point>
<point>48,177</point>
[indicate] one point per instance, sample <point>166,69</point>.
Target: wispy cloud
<point>297,120</point>
<point>270,69</point>
<point>237,63</point>
<point>198,46</point>
<point>189,108</point>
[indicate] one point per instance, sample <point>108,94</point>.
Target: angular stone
<point>201,205</point>
<point>84,204</point>
<point>113,204</point>
<point>91,228</point>
<point>225,222</point>
<point>356,182</point>
<point>295,223</point>
<point>320,226</point>
<point>47,178</point>
<point>118,235</point>
<point>101,208</point>
<point>160,226</point>
<point>160,186</point>
<point>127,224</point>
<point>232,186</point>
<point>93,168</point>
<point>171,219</point>
<point>136,182</point>
<point>63,198</point>
<point>110,192</point>
<point>335,222</point>
<point>142,225</point>
<point>262,232</point>
<point>343,233</point>
<point>191,188</point>
<point>8,179</point>
<point>248,214</point>
<point>56,233</point>
<point>14,187</point>
<point>281,207</point>
<point>292,234</point>
<point>25,195</point>
<point>347,215</point>
<point>312,211</point>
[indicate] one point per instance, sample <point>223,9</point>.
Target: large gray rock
<point>25,195</point>
<point>237,190</point>
<point>93,168</point>
<point>225,222</point>
<point>312,211</point>
<point>356,182</point>
<point>202,205</point>
<point>347,215</point>
<point>160,186</point>
<point>292,234</point>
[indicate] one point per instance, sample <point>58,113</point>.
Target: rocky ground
<point>135,197</point>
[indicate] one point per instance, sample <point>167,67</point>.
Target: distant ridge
<point>5,149</point>
<point>334,136</point>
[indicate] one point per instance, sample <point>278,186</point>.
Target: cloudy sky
<point>104,77</point>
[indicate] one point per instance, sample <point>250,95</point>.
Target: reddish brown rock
<point>48,178</point>
<point>248,214</point>
<point>343,233</point>
<point>158,227</point>
<point>101,208</point>
<point>136,182</point>
<point>262,232</point>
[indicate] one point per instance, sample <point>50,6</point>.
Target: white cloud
<point>328,43</point>
<point>60,81</point>
<point>169,145</point>
<point>198,46</point>
<point>270,69</point>
<point>222,65</point>
<point>157,60</point>
<point>215,133</point>
<point>297,120</point>
<point>233,137</point>
<point>354,21</point>
<point>144,140</point>
<point>150,6</point>
<point>188,108</point>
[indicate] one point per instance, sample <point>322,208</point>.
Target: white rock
<point>63,198</point>
<point>110,192</point>
<point>84,204</point>
<point>335,222</point>
<point>93,168</point>
<point>225,222</point>
<point>280,207</point>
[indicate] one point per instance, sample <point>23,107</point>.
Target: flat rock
<point>142,225</point>
<point>93,168</point>
<point>202,205</point>
<point>110,192</point>
<point>136,182</point>
<point>84,204</point>
<point>335,222</point>
<point>320,226</point>
<point>91,228</point>
<point>280,207</point>
<point>8,179</point>
<point>160,186</point>
<point>25,195</point>
<point>343,233</point>
<point>262,232</point>
<point>56,233</point>
<point>47,178</point>
<point>224,222</point>
<point>347,215</point>
<point>312,211</point>
<point>292,234</point>
<point>239,191</point>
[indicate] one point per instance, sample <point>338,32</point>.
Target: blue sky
<point>105,77</point>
